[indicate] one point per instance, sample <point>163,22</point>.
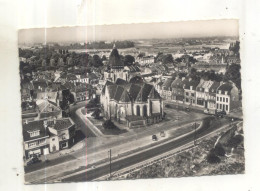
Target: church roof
<point>125,97</point>
<point>144,93</point>
<point>114,60</point>
<point>121,82</point>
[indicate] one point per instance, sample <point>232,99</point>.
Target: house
<point>166,92</point>
<point>190,91</point>
<point>178,90</point>
<point>212,96</point>
<point>227,97</point>
<point>202,93</point>
<point>42,137</point>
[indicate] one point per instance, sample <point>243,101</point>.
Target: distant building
<point>116,67</point>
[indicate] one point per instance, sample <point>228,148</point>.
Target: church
<point>135,104</point>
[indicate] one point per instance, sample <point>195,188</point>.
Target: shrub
<point>212,157</point>
<point>108,124</point>
<point>168,106</point>
<point>235,141</point>
<point>219,150</point>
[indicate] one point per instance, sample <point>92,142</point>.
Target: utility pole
<point>195,133</point>
<point>110,153</point>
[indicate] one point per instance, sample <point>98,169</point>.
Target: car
<point>33,160</point>
<point>154,138</point>
<point>162,134</point>
<point>221,113</point>
<point>210,111</point>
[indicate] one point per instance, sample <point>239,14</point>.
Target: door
<point>53,148</point>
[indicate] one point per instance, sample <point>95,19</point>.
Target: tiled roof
<point>125,97</point>
<point>133,91</point>
<point>214,87</point>
<point>34,126</point>
<point>120,81</point>
<point>225,87</point>
<point>188,84</point>
<point>177,83</point>
<point>118,93</point>
<point>167,84</point>
<point>61,124</point>
<point>144,92</point>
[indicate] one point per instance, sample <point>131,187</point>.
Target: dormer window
<point>219,91</point>
<point>34,133</point>
<point>225,92</point>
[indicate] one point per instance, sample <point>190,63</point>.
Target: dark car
<point>154,138</point>
<point>33,161</point>
<point>221,113</point>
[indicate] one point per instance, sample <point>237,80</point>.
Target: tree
<point>97,62</point>
<point>129,60</point>
<point>212,157</point>
<point>233,74</point>
<point>104,58</point>
<point>166,59</point>
<point>108,124</point>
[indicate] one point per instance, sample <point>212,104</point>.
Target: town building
<point>227,97</point>
<point>42,137</point>
<point>131,103</point>
<point>190,91</point>
<point>116,69</point>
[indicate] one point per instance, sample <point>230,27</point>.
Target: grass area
<point>193,162</point>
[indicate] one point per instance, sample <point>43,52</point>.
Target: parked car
<point>221,113</point>
<point>33,160</point>
<point>154,138</point>
<point>162,134</point>
<point>210,111</point>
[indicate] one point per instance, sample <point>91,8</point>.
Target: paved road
<point>137,158</point>
<point>77,119</point>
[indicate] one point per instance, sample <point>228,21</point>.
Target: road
<point>137,158</point>
<point>80,123</point>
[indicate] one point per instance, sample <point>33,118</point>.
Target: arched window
<point>145,111</point>
<point>138,110</point>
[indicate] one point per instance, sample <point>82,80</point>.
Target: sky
<point>130,31</point>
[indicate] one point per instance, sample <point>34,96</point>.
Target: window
<point>226,107</point>
<point>220,98</point>
<point>34,133</point>
<point>217,98</point>
<point>53,139</point>
<point>217,105</point>
<point>220,106</point>
<point>226,99</point>
<point>187,100</point>
<point>187,93</point>
<point>33,144</point>
<point>192,94</point>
